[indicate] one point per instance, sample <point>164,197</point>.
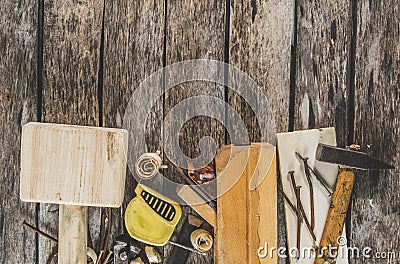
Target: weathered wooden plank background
<point>79,62</point>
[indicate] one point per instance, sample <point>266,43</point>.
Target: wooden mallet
<point>76,167</point>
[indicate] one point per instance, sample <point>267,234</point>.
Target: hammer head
<point>349,158</point>
<point>73,165</point>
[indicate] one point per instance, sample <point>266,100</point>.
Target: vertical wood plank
<point>262,205</point>
<point>195,30</point>
<point>231,239</point>
<point>323,42</point>
<point>376,199</point>
<point>71,56</point>
<point>246,219</point>
<point>260,45</point>
<point>133,50</point>
<point>322,84</point>
<point>18,105</point>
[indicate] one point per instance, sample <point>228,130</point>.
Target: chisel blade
<point>349,158</point>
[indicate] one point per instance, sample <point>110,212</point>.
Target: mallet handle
<point>336,214</point>
<point>72,237</point>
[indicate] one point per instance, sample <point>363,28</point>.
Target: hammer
<point>349,159</point>
<point>75,167</point>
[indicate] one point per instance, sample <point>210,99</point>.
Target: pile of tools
<point>327,230</point>
<point>73,166</point>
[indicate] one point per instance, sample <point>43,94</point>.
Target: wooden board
<point>322,66</point>
<point>18,105</point>
<point>260,36</point>
<point>197,203</point>
<point>259,44</point>
<point>133,50</point>
<point>134,46</point>
<point>305,142</point>
<point>375,210</point>
<point>246,219</point>
<point>73,165</point>
<point>71,63</point>
<point>194,30</point>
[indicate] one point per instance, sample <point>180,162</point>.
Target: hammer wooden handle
<point>72,238</point>
<point>336,215</point>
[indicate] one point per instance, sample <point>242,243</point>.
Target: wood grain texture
<point>194,30</point>
<point>71,57</point>
<point>375,209</point>
<point>231,239</point>
<point>18,105</point>
<point>73,165</point>
<point>246,219</point>
<point>133,50</point>
<point>322,66</point>
<point>262,205</point>
<point>73,228</point>
<point>336,217</point>
<point>260,45</point>
<point>197,203</point>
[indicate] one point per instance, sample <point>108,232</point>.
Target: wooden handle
<point>72,237</point>
<point>336,215</point>
<point>198,204</point>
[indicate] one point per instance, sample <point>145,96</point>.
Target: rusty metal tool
<point>299,207</point>
<point>349,160</point>
<point>293,207</point>
<point>37,231</point>
<point>311,188</point>
<point>315,174</point>
<point>299,220</point>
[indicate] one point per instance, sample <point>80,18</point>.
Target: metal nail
<point>298,220</point>
<point>321,181</point>
<point>187,248</point>
<point>317,176</point>
<point>304,217</point>
<point>311,188</point>
<point>108,257</point>
<point>301,208</point>
<point>100,256</point>
<point>292,180</point>
<point>287,200</point>
<point>34,229</point>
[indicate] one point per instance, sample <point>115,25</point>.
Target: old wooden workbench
<point>79,62</point>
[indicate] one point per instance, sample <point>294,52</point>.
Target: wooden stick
<point>198,204</point>
<point>337,213</point>
<point>73,226</point>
